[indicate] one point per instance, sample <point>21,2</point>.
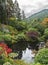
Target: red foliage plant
<point>5,48</point>
<point>32,34</point>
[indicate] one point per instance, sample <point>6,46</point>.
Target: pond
<point>25,51</point>
<point>27,55</point>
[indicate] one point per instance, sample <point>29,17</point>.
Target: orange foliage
<point>45,21</point>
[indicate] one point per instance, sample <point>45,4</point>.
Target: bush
<point>1,61</point>
<point>20,62</point>
<point>7,63</point>
<point>46,33</point>
<point>42,56</point>
<point>37,64</point>
<point>13,55</point>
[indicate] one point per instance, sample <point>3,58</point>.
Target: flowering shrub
<point>5,48</point>
<point>4,52</point>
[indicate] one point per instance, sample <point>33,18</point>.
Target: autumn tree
<point>45,22</point>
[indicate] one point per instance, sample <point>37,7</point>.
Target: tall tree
<point>17,10</point>
<point>2,11</point>
<point>9,8</point>
<point>23,15</point>
<point>6,10</point>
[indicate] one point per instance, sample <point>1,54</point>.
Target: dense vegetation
<point>15,31</point>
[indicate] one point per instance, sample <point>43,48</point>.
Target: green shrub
<point>35,63</point>
<point>7,63</point>
<point>46,33</point>
<point>20,62</point>
<point>12,55</point>
<point>38,64</point>
<point>1,61</point>
<point>42,56</point>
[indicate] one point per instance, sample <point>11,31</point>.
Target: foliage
<point>4,51</point>
<point>46,33</point>
<point>45,22</point>
<point>21,26</point>
<point>39,27</point>
<point>5,48</point>
<point>32,35</point>
<point>20,62</point>
<point>6,56</point>
<point>46,45</point>
<point>42,56</point>
<point>15,31</point>
<point>13,55</point>
<point>35,63</point>
<point>7,63</point>
<point>42,38</point>
<point>32,29</point>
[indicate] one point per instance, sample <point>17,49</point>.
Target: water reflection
<point>27,55</point>
<point>24,49</point>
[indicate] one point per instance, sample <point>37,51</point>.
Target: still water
<point>24,51</point>
<point>27,55</point>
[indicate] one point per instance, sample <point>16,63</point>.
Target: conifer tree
<point>17,10</point>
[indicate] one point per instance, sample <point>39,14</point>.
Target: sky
<point>32,6</point>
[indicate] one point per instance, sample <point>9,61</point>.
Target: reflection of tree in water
<point>22,44</point>
<point>19,47</point>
